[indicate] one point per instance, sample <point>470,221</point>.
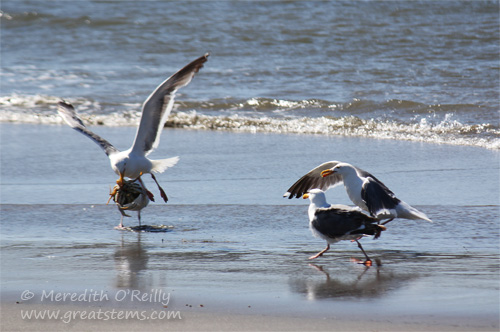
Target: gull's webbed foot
<point>162,192</point>
<point>163,195</point>
<point>120,226</point>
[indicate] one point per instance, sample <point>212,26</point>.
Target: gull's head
<point>340,168</point>
<point>118,166</point>
<point>316,196</point>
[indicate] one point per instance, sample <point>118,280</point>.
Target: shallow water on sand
<point>237,245</point>
<point>54,165</point>
<point>257,256</point>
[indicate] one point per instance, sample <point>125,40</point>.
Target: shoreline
<point>479,143</point>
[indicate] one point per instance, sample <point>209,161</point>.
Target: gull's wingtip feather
<point>67,112</point>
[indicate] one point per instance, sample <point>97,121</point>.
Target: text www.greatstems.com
<point>100,314</point>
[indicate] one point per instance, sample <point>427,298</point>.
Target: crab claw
<point>112,194</point>
<point>130,206</point>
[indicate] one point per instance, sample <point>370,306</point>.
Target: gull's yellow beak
<point>305,196</point>
<point>119,182</point>
<point>326,172</point>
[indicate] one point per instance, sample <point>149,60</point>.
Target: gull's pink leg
<point>120,226</point>
<point>368,261</point>
<point>321,252</point>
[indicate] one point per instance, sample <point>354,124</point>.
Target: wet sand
<point>197,320</point>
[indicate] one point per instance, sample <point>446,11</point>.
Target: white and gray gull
<point>132,195</point>
<point>335,223</point>
<point>132,163</point>
<point>364,190</point>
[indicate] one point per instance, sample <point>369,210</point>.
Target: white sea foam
<point>258,115</point>
<point>445,132</point>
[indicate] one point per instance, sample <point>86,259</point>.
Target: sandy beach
<point>198,320</point>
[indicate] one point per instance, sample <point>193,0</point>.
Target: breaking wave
<point>400,120</point>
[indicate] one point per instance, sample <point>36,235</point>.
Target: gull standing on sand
<point>132,163</point>
<point>335,223</point>
<point>132,195</point>
<point>364,190</point>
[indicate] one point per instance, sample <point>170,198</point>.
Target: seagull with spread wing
<point>132,163</point>
<point>364,190</point>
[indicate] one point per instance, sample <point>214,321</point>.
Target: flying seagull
<point>364,190</point>
<point>335,223</point>
<point>132,163</point>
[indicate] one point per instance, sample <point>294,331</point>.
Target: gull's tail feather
<point>159,166</point>
<point>409,212</point>
<point>421,215</point>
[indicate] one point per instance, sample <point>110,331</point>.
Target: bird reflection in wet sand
<point>335,223</point>
<point>130,259</point>
<point>339,282</point>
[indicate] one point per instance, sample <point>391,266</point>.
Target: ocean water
<point>406,90</point>
<point>425,71</point>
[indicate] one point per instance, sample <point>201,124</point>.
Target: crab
<point>130,195</point>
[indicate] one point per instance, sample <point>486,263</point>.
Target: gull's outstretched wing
<point>377,197</point>
<point>157,107</point>
<point>313,179</point>
<point>68,114</point>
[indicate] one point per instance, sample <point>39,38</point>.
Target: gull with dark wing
<point>132,163</point>
<point>313,179</point>
<point>335,223</point>
<point>364,190</point>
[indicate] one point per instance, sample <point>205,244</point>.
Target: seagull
<point>132,163</point>
<point>335,223</point>
<point>364,190</point>
<point>132,195</point>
